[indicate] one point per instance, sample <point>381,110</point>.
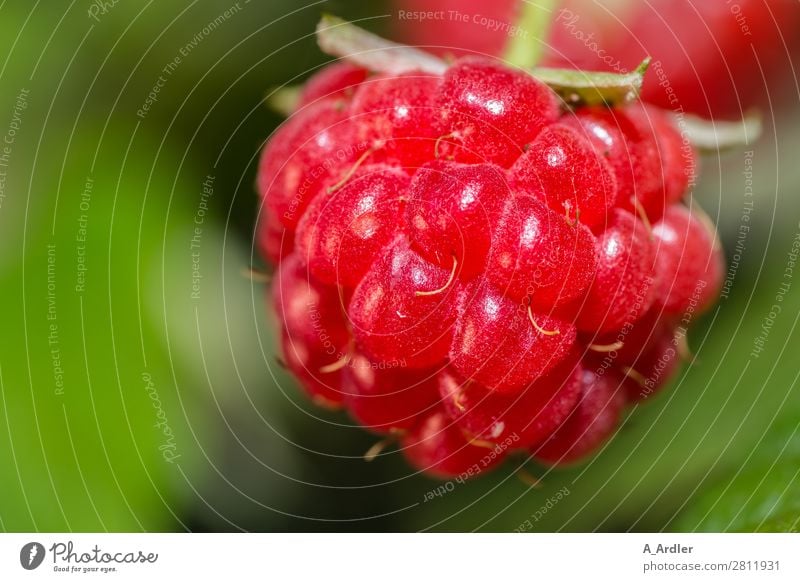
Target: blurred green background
<point>135,395</point>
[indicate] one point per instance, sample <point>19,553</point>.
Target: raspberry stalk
<point>527,44</point>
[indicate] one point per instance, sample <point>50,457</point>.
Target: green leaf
<point>787,522</point>
<point>594,88</point>
<point>763,494</point>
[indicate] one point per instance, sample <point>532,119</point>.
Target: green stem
<point>526,45</point>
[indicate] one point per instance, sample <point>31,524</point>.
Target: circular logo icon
<point>31,555</point>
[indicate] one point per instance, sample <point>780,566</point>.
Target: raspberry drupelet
<point>470,264</point>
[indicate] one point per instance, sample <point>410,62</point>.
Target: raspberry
<point>452,212</point>
<point>527,417</point>
<point>538,255</point>
<point>679,163</point>
<point>307,364</point>
<point>591,422</point>
<point>689,262</point>
<point>650,162</point>
<point>503,344</point>
<point>631,154</point>
<point>438,447</point>
<point>622,290</point>
<point>308,310</point>
<point>356,221</point>
<point>389,399</point>
<point>314,334</point>
<point>468,266</point>
<point>336,81</point>
<point>392,321</point>
<point>562,168</point>
<point>489,112</point>
<point>274,241</point>
<point>654,366</point>
<point>308,149</point>
<point>649,356</point>
<point>396,115</point>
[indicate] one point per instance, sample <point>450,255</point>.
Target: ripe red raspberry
<point>562,169</point>
<point>655,364</point>
<point>274,240</point>
<point>652,165</point>
<point>313,145</point>
<point>396,116</point>
<point>387,399</point>
<point>539,255</point>
<point>337,80</point>
<point>452,211</point>
<point>308,365</point>
<point>490,113</point>
<point>469,264</point>
<point>594,419</point>
<point>526,417</point>
<point>315,336</point>
<point>356,221</point>
<point>622,290</point>
<point>437,446</point>
<point>308,310</point>
<point>648,357</point>
<point>689,262</point>
<point>504,344</point>
<point>394,314</point>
